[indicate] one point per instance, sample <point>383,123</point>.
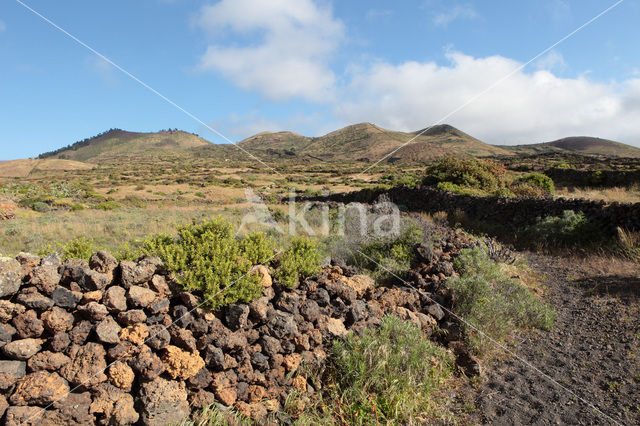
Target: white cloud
<point>296,39</point>
<point>465,11</point>
<point>526,107</point>
<point>552,61</point>
<point>3,26</point>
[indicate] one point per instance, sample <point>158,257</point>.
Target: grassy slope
<point>117,143</point>
<point>24,168</point>
<point>580,145</point>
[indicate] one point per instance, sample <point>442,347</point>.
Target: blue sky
<point>312,66</point>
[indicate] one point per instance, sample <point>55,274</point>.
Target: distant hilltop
<point>359,142</point>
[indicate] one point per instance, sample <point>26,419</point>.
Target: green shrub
<point>523,189</point>
<point>569,230</point>
<point>482,175</point>
<point>388,256</point>
<point>208,257</point>
<point>41,207</point>
<point>540,180</point>
<point>301,259</point>
<point>492,302</point>
<point>388,375</point>
<point>78,248</point>
<point>107,206</point>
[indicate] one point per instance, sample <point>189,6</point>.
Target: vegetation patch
<point>493,302</point>
<point>388,375</point>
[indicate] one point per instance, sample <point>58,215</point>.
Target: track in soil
<point>593,350</point>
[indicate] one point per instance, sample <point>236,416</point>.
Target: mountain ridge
<point>356,142</point>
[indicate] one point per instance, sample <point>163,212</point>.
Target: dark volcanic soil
<point>594,351</point>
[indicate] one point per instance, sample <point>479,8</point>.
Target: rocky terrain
<point>111,342</point>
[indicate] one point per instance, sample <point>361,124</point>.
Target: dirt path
<point>593,351</point>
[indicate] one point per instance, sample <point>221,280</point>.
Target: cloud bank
<point>288,53</point>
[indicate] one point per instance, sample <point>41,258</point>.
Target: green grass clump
<point>301,259</point>
<point>388,375</point>
<point>493,302</point>
<point>394,253</point>
<point>540,180</point>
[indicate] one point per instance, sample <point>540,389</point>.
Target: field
<point>124,203</point>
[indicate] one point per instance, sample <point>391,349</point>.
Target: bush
<point>390,373</point>
<point>301,259</point>
<point>388,256</point>
<point>492,302</point>
<point>41,207</point>
<point>569,230</point>
<point>523,189</point>
<point>540,180</point>
<point>107,206</point>
<point>78,248</point>
<point>208,257</point>
<point>482,175</point>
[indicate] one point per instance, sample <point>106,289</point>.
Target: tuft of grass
<point>389,375</point>
<point>492,302</point>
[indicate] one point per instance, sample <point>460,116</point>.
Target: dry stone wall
<point>514,213</point>
<point>108,342</point>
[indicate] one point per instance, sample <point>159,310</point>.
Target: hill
<point>118,143</point>
<point>584,145</point>
<point>24,168</point>
<point>367,142</point>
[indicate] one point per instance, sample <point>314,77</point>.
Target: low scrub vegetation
<point>567,231</point>
<point>210,258</point>
<point>389,375</point>
<point>484,178</point>
<point>493,302</point>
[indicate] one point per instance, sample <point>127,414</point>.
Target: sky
<point>488,67</point>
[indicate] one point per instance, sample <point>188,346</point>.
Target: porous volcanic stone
<point>116,406</point>
<point>10,276</point>
<point>65,298</point>
<point>22,349</point>
<point>47,360</point>
<point>87,365</point>
<point>103,262</point>
<point>114,298</point>
<point>181,364</point>
<point>236,316</point>
<point>39,388</point>
<point>45,278</point>
<point>121,375</point>
<point>57,319</point>
<point>28,325</point>
<point>108,331</point>
<point>140,297</point>
<point>164,402</point>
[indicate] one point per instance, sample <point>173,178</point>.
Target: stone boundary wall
<point>510,212</point>
<point>593,178</point>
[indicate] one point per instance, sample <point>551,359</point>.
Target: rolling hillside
<point>367,142</point>
<point>118,143</point>
<point>359,142</point>
<point>580,145</point>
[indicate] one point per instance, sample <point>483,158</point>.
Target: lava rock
<point>22,349</point>
<point>164,402</point>
<point>39,388</point>
<point>47,360</point>
<point>87,365</point>
<point>10,276</point>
